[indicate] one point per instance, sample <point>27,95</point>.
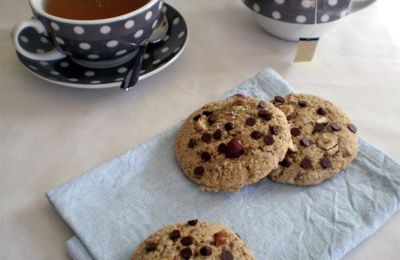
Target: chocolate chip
<point>229,126</point>
<point>264,114</point>
<point>174,235</point>
<point>262,104</point>
<point>352,128</point>
<point>234,148</point>
<point>196,117</point>
<point>220,238</point>
<point>205,156</point>
<point>285,162</point>
<point>305,142</point>
<point>192,143</point>
<point>217,134</point>
<point>321,111</point>
<point>222,148</point>
<point>268,140</point>
<point>275,129</point>
<point>325,163</point>
<point>199,171</point>
<point>302,103</point>
<point>151,246</point>
<point>187,241</point>
<point>193,222</point>
<point>279,99</point>
<point>226,255</point>
<point>256,135</point>
<point>319,127</point>
<point>206,137</point>
<point>336,127</point>
<point>211,119</point>
<point>205,251</point>
<point>295,131</point>
<point>291,116</point>
<point>306,163</point>
<point>186,253</point>
<point>207,113</point>
<point>250,121</point>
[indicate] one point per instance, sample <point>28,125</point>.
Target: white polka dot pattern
<point>181,34</point>
<point>332,2</point>
<point>79,30</point>
<point>324,18</point>
<point>105,29</point>
<point>154,24</point>
<point>276,15</point>
<point>24,39</point>
<point>64,64</point>
<point>176,20</point>
<point>89,73</point>
<point>139,33</point>
<point>148,16</point>
<point>300,11</point>
<point>55,26</point>
<point>120,52</point>
<point>307,3</point>
<point>84,46</point>
<point>129,24</point>
<point>59,40</point>
<point>44,39</point>
<point>103,42</point>
<point>165,49</point>
<point>112,43</point>
<point>256,8</point>
<point>122,70</point>
<point>301,19</point>
<point>93,56</point>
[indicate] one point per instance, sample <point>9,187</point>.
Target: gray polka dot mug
<point>89,42</point>
<point>294,19</point>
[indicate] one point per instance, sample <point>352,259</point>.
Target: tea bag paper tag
<point>306,49</point>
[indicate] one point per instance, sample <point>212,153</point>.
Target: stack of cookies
<point>298,139</point>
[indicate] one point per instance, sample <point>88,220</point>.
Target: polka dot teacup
<point>100,40</point>
<point>294,19</point>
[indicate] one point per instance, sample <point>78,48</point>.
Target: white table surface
<point>50,134</point>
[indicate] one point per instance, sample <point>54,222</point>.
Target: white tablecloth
<point>50,134</point>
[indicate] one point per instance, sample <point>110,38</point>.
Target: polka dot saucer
<point>67,72</point>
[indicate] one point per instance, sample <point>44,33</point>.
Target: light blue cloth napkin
<point>116,206</point>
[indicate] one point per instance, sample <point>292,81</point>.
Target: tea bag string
<point>312,35</point>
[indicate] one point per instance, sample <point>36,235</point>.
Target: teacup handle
<point>53,54</point>
<point>357,5</point>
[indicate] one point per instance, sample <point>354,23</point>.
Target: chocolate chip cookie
<point>231,143</point>
<point>324,140</point>
<point>193,240</point>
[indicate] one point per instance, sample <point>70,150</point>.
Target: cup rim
<point>37,6</point>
